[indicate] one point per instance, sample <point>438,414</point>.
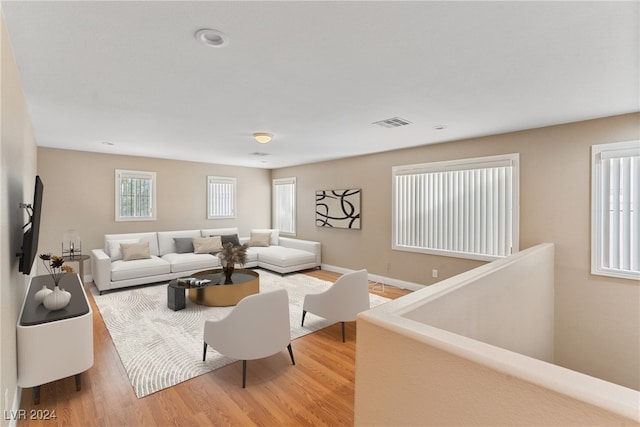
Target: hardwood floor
<point>318,390</point>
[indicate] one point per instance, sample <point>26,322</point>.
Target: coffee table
<point>215,293</point>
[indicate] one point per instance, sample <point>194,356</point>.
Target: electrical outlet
<point>434,272</point>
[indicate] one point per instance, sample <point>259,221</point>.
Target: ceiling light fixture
<point>262,137</point>
<point>439,127</point>
<point>212,38</point>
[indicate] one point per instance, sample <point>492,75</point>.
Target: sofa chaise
<point>139,258</point>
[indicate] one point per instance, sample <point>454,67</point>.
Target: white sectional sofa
<point>166,255</point>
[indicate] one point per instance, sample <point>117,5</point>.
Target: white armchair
<point>257,327</point>
<point>342,302</point>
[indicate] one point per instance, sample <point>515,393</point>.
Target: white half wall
<point>476,349</point>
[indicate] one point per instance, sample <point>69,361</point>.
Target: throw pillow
<point>131,251</point>
<point>184,245</point>
<point>207,245</point>
<point>113,248</point>
<point>233,238</point>
<point>273,231</point>
<point>260,239</point>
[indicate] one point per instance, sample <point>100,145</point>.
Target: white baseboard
<point>15,413</point>
<point>377,278</point>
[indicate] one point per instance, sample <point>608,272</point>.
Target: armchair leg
<point>204,353</point>
<point>291,354</point>
<point>343,332</point>
<point>304,313</point>
<point>244,373</point>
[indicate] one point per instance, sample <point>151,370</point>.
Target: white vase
<point>57,299</point>
<point>41,294</point>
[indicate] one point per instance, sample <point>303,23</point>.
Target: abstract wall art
<point>338,208</point>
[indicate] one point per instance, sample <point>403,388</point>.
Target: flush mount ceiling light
<point>212,38</point>
<point>262,137</point>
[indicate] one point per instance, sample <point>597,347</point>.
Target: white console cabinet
<point>54,344</point>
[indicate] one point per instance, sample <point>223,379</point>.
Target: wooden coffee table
<point>245,282</point>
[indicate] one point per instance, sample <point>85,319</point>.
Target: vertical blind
<point>221,197</point>
<point>616,195</point>
<point>463,208</point>
<point>284,205</point>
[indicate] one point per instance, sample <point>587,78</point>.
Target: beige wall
<point>597,319</point>
<point>17,172</point>
<point>80,194</point>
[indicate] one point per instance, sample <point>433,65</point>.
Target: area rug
<point>160,347</point>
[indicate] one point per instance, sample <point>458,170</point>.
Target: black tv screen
<point>30,237</point>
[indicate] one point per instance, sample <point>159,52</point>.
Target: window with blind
<point>284,205</point>
<point>221,197</point>
<point>615,195</point>
<point>463,208</point>
<point>135,195</point>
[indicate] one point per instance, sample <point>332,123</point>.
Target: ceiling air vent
<point>392,123</point>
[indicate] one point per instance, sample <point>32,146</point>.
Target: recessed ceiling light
<point>439,127</point>
<point>107,143</point>
<point>262,137</point>
<point>212,38</point>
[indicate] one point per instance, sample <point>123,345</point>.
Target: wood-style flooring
<point>317,391</point>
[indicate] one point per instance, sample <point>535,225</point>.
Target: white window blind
<point>135,195</point>
<point>284,205</point>
<point>221,197</point>
<point>615,249</point>
<point>464,208</point>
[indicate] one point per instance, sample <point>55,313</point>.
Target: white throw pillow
<point>113,248</point>
<point>207,245</point>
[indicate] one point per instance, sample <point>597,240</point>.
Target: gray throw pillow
<point>233,238</point>
<point>184,245</point>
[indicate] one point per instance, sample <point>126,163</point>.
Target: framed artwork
<point>338,208</point>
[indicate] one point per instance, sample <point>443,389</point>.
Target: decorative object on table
<point>39,296</point>
<point>229,256</point>
<point>338,208</point>
<point>58,298</point>
<point>71,244</point>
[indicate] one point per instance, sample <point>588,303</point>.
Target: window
<point>462,208</point>
<point>284,205</point>
<point>615,198</point>
<point>135,195</point>
<point>221,197</point>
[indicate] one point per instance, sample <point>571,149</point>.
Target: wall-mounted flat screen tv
<point>31,234</point>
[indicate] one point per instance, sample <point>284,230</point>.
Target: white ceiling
<point>316,74</point>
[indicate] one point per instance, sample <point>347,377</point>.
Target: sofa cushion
<point>259,239</point>
<point>166,244</point>
<point>284,257</point>
<point>184,245</point>
<point>133,251</point>
<point>274,232</point>
<point>218,231</point>
<point>186,262</point>
<point>151,237</point>
<point>123,270</point>
<point>230,238</point>
<point>114,250</point>
<point>207,245</point>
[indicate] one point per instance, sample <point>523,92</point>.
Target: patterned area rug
<point>160,347</point>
